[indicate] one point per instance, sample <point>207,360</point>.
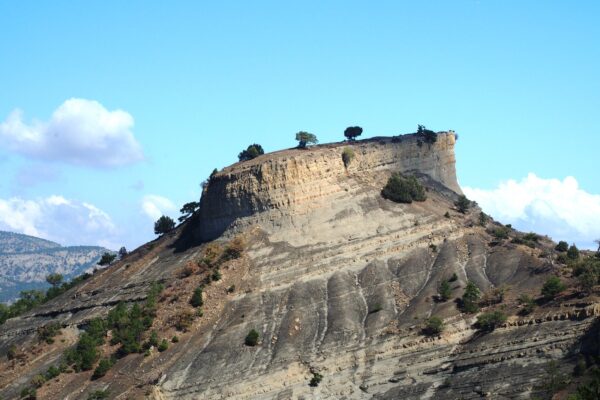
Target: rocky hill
<point>337,283</point>
<point>25,261</point>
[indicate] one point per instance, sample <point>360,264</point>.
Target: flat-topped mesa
<point>274,188</point>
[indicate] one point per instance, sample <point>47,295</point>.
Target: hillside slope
<point>336,280</point>
<point>25,261</point>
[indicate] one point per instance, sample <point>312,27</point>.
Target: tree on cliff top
<point>305,138</point>
<point>429,136</point>
<point>352,132</point>
<point>253,151</point>
<point>188,209</point>
<point>163,225</point>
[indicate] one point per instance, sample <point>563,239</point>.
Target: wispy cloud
<point>56,218</point>
<point>79,132</point>
<point>558,208</point>
<point>155,206</point>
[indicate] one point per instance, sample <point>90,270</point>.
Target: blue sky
<point>195,82</point>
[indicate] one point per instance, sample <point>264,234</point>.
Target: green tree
<point>253,151</point>
<point>122,252</point>
<point>483,219</point>
<point>252,338</point>
<point>164,345</point>
<point>163,225</point>
<point>588,279</point>
<point>488,321</point>
<point>552,287</point>
<point>107,258</point>
<point>562,246</point>
<point>444,291</point>
<point>591,389</point>
<point>98,395</point>
<point>347,156</point>
<point>433,326</point>
<point>305,138</point>
<point>470,298</point>
<point>573,252</point>
<point>315,380</point>
<point>196,300</point>
<point>352,132</point>
<point>528,304</point>
<point>403,189</point>
<point>463,203</point>
<point>54,279</point>
<point>103,366</point>
<point>188,209</point>
<point>428,136</point>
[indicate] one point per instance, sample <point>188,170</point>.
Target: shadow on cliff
<point>189,236</point>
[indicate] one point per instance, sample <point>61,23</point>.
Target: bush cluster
<point>500,232</point>
<point>103,366</point>
<point>552,287</point>
<point>98,395</point>
<point>444,291</point>
<point>463,204</point>
<point>196,300</point>
<point>32,298</point>
<point>529,239</point>
<point>428,136</point>
<point>47,332</point>
<point>433,326</point>
<point>315,380</point>
<point>84,355</point>
<point>403,189</point>
<point>252,338</point>
<point>347,156</point>
<point>488,321</point>
<point>562,246</point>
<point>527,303</point>
<point>587,272</point>
<point>128,325</point>
<point>493,296</point>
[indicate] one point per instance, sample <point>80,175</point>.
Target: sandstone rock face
<point>276,189</point>
<point>337,281</point>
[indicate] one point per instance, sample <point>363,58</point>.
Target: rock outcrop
<point>279,188</point>
<point>337,281</point>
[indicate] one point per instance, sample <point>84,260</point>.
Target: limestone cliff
<point>290,183</point>
<point>337,281</point>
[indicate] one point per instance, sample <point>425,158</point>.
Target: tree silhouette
<point>163,225</point>
<point>253,151</point>
<point>352,132</point>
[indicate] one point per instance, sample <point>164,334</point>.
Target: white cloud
<point>56,218</point>
<point>560,209</point>
<point>80,132</point>
<point>155,206</point>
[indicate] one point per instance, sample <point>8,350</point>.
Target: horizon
<point>104,130</point>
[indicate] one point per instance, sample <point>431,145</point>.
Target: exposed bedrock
<point>278,189</point>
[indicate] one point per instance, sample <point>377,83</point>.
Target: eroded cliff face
<point>336,280</point>
<point>276,190</point>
